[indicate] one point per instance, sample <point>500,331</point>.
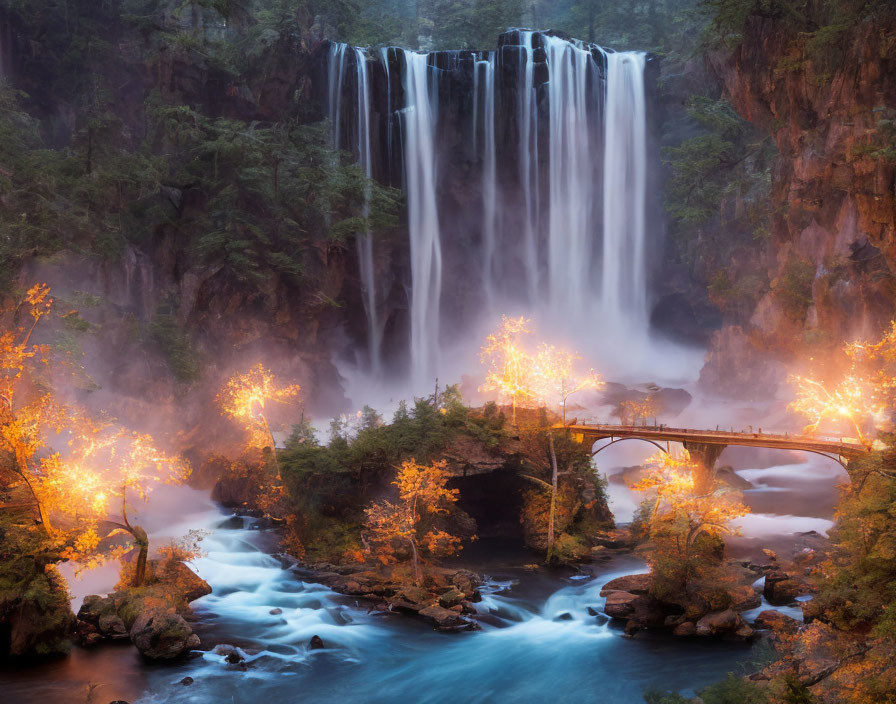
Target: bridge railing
<point>660,427</point>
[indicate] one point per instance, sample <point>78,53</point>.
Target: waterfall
<point>624,271</point>
<point>528,164</point>
<point>484,115</point>
<point>559,184</point>
<point>335,67</point>
<point>365,240</point>
<point>362,146</point>
<point>572,222</point>
<point>421,91</point>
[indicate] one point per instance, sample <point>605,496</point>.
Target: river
<point>539,643</point>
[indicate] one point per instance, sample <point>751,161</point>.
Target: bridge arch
<point>615,440</point>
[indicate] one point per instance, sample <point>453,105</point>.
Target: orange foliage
<point>677,517</point>
<point>392,526</point>
<point>244,398</point>
<point>862,398</point>
<point>526,379</point>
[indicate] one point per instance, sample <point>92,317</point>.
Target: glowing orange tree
<point>27,412</point>
<point>421,493</point>
<point>860,398</point>
<point>555,379</point>
<point>245,398</point>
<point>683,526</point>
<point>93,487</point>
<point>509,368</point>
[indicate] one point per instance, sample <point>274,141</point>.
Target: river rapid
<point>539,642</point>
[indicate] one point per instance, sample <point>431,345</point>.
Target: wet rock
<point>87,634</point>
<point>728,477</point>
<point>565,616</point>
<point>776,621</point>
<point>452,597</point>
<point>781,589</point>
<point>444,619</point>
<point>186,681</point>
<point>275,612</point>
<point>631,583</point>
<point>111,626</point>
<point>688,628</point>
<point>316,643</point>
<point>234,658</point>
<point>620,604</point>
<point>719,622</point>
<point>466,581</point>
<point>812,611</point>
<point>468,607</point>
<point>160,635</point>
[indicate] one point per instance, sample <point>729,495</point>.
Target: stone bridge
<point>705,446</point>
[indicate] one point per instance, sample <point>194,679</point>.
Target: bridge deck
<point>848,450</point>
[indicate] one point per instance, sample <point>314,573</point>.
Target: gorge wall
<point>828,101</point>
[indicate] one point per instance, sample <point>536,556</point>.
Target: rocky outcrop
<point>151,616</point>
<point>444,597</point>
<point>629,599</point>
<point>162,635</point>
<point>36,617</point>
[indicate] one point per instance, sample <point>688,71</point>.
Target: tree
<point>861,398</point>
<point>555,378</point>
<point>94,486</point>
<point>26,413</point>
<point>245,398</point>
<point>684,528</point>
<point>632,411</point>
<point>422,493</point>
<point>509,367</point>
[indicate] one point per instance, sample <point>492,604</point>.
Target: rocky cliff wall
<point>833,208</point>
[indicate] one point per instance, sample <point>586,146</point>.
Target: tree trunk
<point>142,542</point>
<point>418,578</point>
<point>554,474</point>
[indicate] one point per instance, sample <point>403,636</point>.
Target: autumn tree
<point>684,528</point>
<point>856,390</point>
<point>27,411</point>
<point>246,397</point>
<point>509,367</point>
<point>422,495</point>
<point>631,411</point>
<point>555,378</point>
<point>95,486</point>
<point>564,484</point>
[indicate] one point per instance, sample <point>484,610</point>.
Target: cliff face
<point>833,200</point>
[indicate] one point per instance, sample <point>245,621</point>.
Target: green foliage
<point>717,196</point>
<point>32,592</point>
<point>859,589</point>
<point>335,481</point>
<point>656,696</point>
<point>172,341</point>
<point>731,690</point>
<point>793,287</point>
<point>734,690</point>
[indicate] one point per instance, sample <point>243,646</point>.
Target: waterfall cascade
<point>525,172</point>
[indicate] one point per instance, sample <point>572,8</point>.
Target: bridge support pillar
<point>704,457</point>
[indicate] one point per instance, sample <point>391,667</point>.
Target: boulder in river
<point>316,643</point>
<point>631,583</point>
<point>162,635</point>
